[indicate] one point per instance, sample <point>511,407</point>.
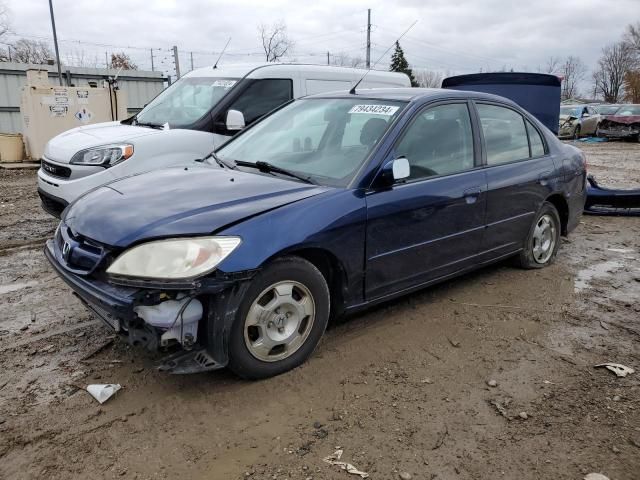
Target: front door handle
<point>472,194</point>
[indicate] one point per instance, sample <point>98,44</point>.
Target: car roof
<point>249,69</point>
<point>412,94</point>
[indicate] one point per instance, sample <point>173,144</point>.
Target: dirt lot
<point>401,388</point>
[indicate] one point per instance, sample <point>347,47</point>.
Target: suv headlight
<point>106,155</point>
<point>174,259</point>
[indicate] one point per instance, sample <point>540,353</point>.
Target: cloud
<point>459,37</point>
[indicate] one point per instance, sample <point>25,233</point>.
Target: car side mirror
<point>235,120</point>
<point>394,171</point>
<point>400,169</point>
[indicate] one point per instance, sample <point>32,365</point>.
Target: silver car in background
<point>577,121</point>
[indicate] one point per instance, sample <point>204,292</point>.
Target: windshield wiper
<point>217,159</point>
<point>149,124</point>
<point>266,167</point>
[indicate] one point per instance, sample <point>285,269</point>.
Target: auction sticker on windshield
<point>224,83</point>
<point>375,109</point>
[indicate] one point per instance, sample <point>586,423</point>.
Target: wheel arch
<point>331,268</point>
<point>561,204</point>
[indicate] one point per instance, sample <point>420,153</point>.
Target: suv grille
<point>56,170</point>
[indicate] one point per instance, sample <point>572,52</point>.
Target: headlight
<point>180,258</point>
<point>106,155</point>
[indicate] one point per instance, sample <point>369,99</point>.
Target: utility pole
<point>191,55</point>
<point>106,60</point>
<point>369,38</point>
<point>176,61</point>
<point>151,50</point>
<point>328,63</point>
<point>55,42</point>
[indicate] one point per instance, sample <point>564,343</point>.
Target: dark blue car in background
<point>328,205</point>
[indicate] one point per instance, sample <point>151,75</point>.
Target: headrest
<point>372,131</point>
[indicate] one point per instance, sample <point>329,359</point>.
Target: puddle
<point>599,270</point>
<point>12,287</point>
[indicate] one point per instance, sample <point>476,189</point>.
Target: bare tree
<point>5,20</point>
<point>29,51</point>
<point>551,66</point>
<point>572,70</point>
<point>632,36</point>
<point>122,60</point>
<point>343,60</point>
<point>616,60</point>
<point>275,41</point>
<point>632,87</point>
<point>427,78</point>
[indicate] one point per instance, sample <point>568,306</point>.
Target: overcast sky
<point>458,36</point>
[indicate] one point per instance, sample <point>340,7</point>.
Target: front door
<point>430,225</point>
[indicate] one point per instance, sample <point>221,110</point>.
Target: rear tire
<point>280,320</point>
<point>543,240</point>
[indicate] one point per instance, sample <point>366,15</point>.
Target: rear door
<point>430,225</point>
<point>518,169</point>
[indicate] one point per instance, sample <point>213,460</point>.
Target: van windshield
<point>185,101</point>
<point>323,140</point>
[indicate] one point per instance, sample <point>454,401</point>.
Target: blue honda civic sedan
<point>330,204</point>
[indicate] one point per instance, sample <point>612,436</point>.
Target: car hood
<point>624,119</point>
<point>179,201</point>
<point>62,147</point>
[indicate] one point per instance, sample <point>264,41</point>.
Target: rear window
<point>504,134</point>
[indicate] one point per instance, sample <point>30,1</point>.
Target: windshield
<point>570,111</point>
<point>324,139</point>
<point>628,110</point>
<point>185,101</point>
<point>608,109</point>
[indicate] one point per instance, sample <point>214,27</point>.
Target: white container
<point>166,316</point>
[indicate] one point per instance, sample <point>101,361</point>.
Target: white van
<point>186,121</point>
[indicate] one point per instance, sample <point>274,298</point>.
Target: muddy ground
<point>402,388</point>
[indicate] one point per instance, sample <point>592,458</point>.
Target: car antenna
<point>215,65</point>
<point>353,89</point>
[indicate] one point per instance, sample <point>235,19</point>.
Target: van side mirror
<point>394,171</point>
<point>235,120</point>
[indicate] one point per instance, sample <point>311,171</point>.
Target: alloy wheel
<point>544,239</point>
<point>279,321</point>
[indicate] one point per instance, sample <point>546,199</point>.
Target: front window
<point>570,111</point>
<point>607,109</point>
<point>324,139</point>
<point>186,101</point>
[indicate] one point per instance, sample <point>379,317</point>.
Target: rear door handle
<point>543,178</point>
<point>472,194</point>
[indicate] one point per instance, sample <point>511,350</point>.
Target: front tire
<point>576,132</point>
<point>543,240</point>
<point>280,320</point>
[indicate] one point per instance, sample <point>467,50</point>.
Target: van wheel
<point>280,320</point>
<point>543,240</point>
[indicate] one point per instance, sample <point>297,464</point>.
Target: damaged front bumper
<point>621,131</point>
<point>193,320</point>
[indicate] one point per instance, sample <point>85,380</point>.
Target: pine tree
<point>400,64</point>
